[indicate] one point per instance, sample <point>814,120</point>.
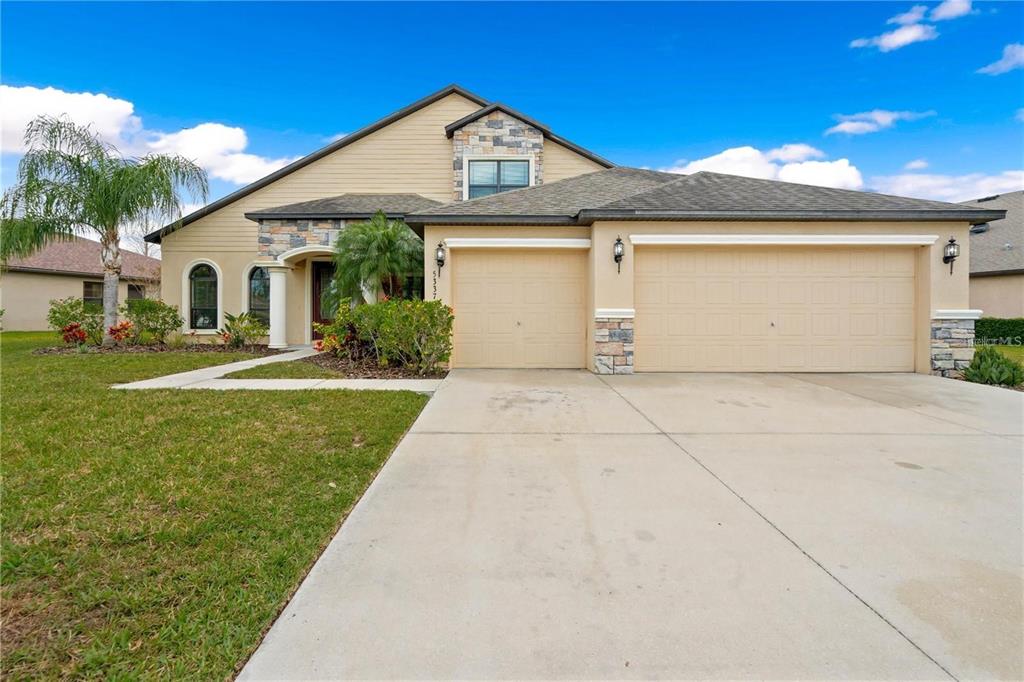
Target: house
<point>63,269</point>
<point>997,258</point>
<point>552,256</point>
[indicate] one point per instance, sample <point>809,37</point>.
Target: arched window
<point>202,282</point>
<point>259,294</point>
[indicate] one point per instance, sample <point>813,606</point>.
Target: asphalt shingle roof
<point>348,206</point>
<point>82,256</point>
<point>999,248</point>
<point>564,198</point>
<point>633,193</point>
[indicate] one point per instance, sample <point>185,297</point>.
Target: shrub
<point>1000,330</point>
<point>989,366</point>
<point>151,318</point>
<point>73,333</point>
<point>408,333</point>
<point>122,331</point>
<point>88,316</point>
<point>241,330</point>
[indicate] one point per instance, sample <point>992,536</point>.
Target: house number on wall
<point>435,284</point>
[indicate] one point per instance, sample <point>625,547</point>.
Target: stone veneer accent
<point>278,236</point>
<point>613,345</point>
<point>952,346</point>
<point>496,134</point>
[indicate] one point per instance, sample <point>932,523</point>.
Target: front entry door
<point>322,273</point>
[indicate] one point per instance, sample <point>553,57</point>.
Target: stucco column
<point>278,306</point>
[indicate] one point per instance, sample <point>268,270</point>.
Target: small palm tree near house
<point>70,181</point>
<point>373,257</point>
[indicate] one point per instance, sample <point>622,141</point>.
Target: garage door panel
<point>775,309</point>
<point>519,308</point>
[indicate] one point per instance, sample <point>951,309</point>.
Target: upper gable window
<point>491,177</point>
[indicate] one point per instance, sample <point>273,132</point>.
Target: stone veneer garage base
<point>613,345</point>
<point>952,346</point>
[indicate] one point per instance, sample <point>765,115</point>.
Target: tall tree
<point>371,255</point>
<point>70,181</point>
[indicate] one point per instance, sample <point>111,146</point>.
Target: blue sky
<point>659,85</point>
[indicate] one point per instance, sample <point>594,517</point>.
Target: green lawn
<point>1012,352</point>
<point>156,534</point>
<point>295,369</point>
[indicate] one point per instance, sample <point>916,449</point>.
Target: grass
<point>1012,352</point>
<point>293,369</point>
<point>152,534</point>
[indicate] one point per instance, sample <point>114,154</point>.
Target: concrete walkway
<point>554,525</point>
<point>211,378</point>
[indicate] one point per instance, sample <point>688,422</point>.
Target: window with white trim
<point>492,177</point>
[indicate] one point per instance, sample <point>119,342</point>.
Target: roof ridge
<point>649,189</point>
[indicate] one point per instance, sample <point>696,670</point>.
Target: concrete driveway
<point>550,524</point>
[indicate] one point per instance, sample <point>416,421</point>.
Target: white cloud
<point>1013,58</point>
<point>840,173</point>
<point>900,37</point>
<point>911,16</point>
<point>794,152</point>
<point>949,187</point>
<point>916,164</point>
<point>873,121</point>
<point>216,147</point>
<point>951,9</point>
<point>219,149</point>
<point>114,119</point>
<point>335,137</point>
<point>787,163</point>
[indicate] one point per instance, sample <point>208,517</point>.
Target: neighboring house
<point>68,268</point>
<point>716,272</point>
<point>997,258</point>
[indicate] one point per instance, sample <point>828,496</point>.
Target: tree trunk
<point>111,253</point>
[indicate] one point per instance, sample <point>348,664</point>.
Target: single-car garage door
<point>519,308</point>
<point>774,309</point>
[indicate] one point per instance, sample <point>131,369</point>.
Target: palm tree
<point>71,181</point>
<point>369,256</point>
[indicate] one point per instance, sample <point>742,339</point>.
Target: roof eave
<point>506,219</point>
<point>75,273</point>
<point>155,236</point>
<point>257,216</point>
<point>588,216</point>
<point>997,273</point>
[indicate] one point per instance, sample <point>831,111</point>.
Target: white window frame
<point>186,297</point>
<point>466,158</point>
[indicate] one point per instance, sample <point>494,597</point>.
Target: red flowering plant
<point>73,333</point>
<point>122,331</point>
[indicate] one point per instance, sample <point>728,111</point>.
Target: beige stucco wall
<point>998,295</point>
<point>937,289</point>
<point>561,163</point>
<point>25,296</point>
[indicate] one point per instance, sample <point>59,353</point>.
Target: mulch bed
<point>157,348</point>
<point>368,369</point>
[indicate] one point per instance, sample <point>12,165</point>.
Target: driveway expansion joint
<point>793,542</point>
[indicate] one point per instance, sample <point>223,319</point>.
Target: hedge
<point>996,330</point>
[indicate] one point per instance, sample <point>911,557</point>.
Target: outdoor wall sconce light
<point>950,253</point>
<point>439,255</point>
<point>618,251</point>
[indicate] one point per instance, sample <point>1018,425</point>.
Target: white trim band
<point>623,313</point>
<point>514,243</point>
<point>785,239</point>
<point>971,314</point>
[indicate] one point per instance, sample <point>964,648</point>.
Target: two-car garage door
<point>765,309</point>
